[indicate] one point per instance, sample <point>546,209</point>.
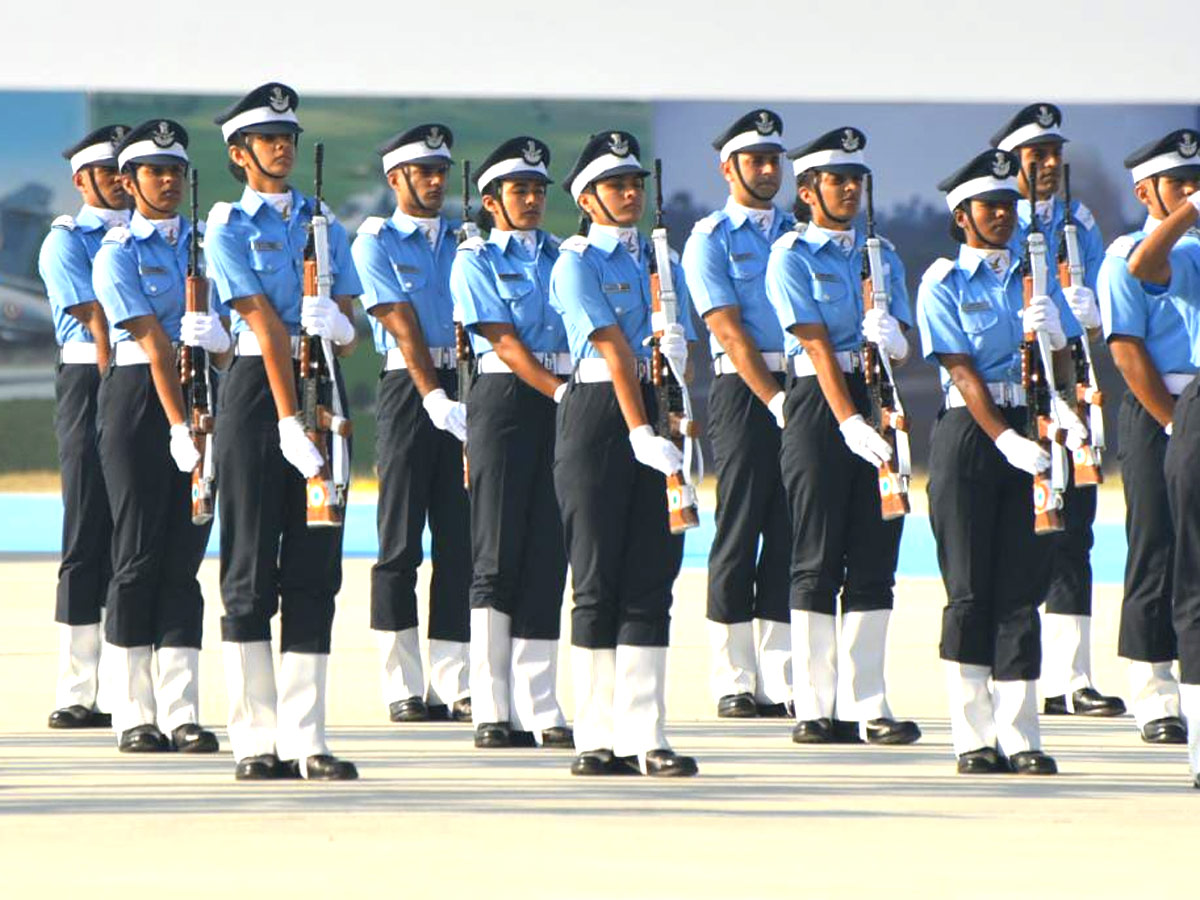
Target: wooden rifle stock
<point>193,376</point>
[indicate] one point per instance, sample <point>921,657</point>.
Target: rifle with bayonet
<point>194,375</point>
<point>463,354</point>
<point>1087,458</point>
<point>1037,378</point>
<point>675,419</point>
<point>321,410</point>
<point>887,410</point>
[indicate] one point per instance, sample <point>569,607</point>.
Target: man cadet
<point>270,560</point>
<point>1169,258</point>
<point>404,262</point>
<point>609,468</point>
<point>725,259</point>
<point>65,264</point>
<point>1035,136</point>
<point>1148,335</point>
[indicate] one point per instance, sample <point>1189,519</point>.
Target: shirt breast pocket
<point>266,261</point>
<point>746,267</point>
<point>411,278</point>
<point>517,292</point>
<point>977,316</point>
<point>156,283</point>
<point>828,288</point>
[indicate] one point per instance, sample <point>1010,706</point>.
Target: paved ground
<point>433,816</point>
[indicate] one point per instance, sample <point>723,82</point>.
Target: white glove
<point>560,392</point>
<point>1083,305</point>
<point>1168,426</point>
<point>446,414</point>
<point>882,329</point>
<point>1194,199</point>
<point>775,405</point>
<point>183,448</point>
<point>297,448</point>
<point>1022,453</point>
<point>864,441</point>
<point>204,330</point>
<point>656,452</point>
<point>322,317</point>
<point>673,345</point>
<point>1042,315</point>
<point>1077,433</point>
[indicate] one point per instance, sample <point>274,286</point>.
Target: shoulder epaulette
<point>473,244</point>
<point>576,243</point>
<point>709,222</point>
<point>1122,246</point>
<point>371,225</point>
<point>938,270</point>
<point>786,241</point>
<point>888,245</point>
<point>118,234</point>
<point>1084,216</point>
<point>67,222</point>
<point>673,256</point>
<point>553,240</point>
<point>219,214</point>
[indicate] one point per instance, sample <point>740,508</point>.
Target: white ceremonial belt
<point>247,345</point>
<point>77,353</point>
<point>847,360</point>
<point>558,363</point>
<point>443,358</point>
<point>1004,393</point>
<point>1176,382</point>
<point>592,370</point>
<point>775,361</point>
<point>129,353</point>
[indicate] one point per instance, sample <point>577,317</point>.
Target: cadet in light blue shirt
<point>155,608</point>
<point>610,465</point>
<point>520,566</point>
<point>65,264</point>
<point>831,458</point>
<point>1034,135</point>
<point>725,259</point>
<point>1152,336</point>
<point>404,262</point>
<point>981,498</point>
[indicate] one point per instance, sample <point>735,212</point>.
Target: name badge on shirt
<point>151,270</point>
<point>742,257</point>
<point>976,306</point>
<point>825,276</point>
<point>266,245</point>
<point>406,269</point>
<point>510,276</point>
<point>616,287</point>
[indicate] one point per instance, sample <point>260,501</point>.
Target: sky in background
<point>39,125</point>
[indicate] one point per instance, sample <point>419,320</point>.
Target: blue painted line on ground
<point>32,524</point>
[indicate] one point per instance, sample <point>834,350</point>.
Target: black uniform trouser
<point>1070,591</point>
<point>994,566</point>
<point>271,561</point>
<point>153,597</point>
<point>420,475</point>
<point>519,560</point>
<point>1146,631</point>
<point>840,542</point>
<point>745,581</point>
<point>624,559</point>
<point>86,565</point>
<point>1182,467</point>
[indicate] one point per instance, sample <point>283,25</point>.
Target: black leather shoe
<point>266,767</point>
<point>669,764</point>
<point>846,732</point>
<point>1055,706</point>
<point>1086,702</point>
<point>1170,730</point>
<point>736,706</point>
<point>78,717</point>
<point>323,767</point>
<point>1196,783</point>
<point>559,737</point>
<point>143,739</point>
<point>983,761</point>
<point>438,712</point>
<point>1032,762</point>
<point>772,710</point>
<point>410,710</point>
<point>892,731</point>
<point>813,731</point>
<point>191,738</point>
<point>492,734</point>
<point>461,710</point>
<point>595,762</point>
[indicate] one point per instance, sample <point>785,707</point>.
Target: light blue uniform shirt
<point>1091,244</point>
<point>397,265</point>
<point>65,264</point>
<point>249,249</point>
<point>596,283</point>
<point>137,273</point>
<point>725,259</point>
<point>1165,322</point>
<point>498,281</point>
<point>812,281</point>
<point>963,307</point>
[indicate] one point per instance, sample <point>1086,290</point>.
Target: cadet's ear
<point>77,180</point>
<point>1141,190</point>
<point>393,178</point>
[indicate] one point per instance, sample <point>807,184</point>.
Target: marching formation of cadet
<point>533,412</point>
